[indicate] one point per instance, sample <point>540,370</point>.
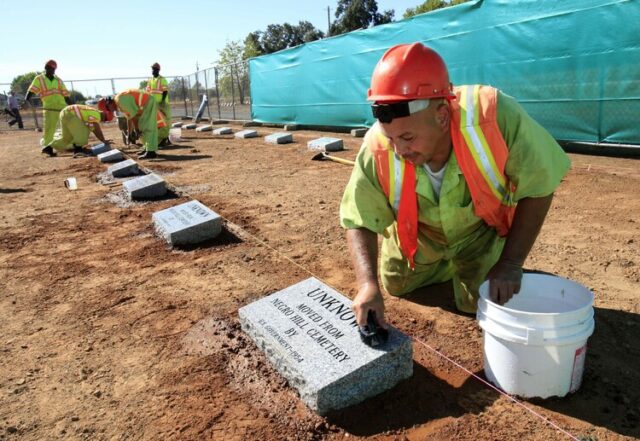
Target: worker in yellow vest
<point>54,96</point>
<point>141,110</point>
<point>458,181</point>
<point>158,87</point>
<point>77,122</point>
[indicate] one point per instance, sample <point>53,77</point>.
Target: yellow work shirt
<point>156,86</point>
<point>51,92</point>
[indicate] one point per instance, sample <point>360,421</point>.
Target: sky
<point>118,38</point>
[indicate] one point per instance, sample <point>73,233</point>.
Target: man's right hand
<point>369,298</point>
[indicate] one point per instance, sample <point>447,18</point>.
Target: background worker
<point>14,110</point>
<point>76,122</point>
<point>54,96</point>
<point>458,181</point>
<point>159,88</point>
<point>142,110</point>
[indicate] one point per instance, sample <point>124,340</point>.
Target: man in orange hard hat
<point>158,87</point>
<point>142,112</point>
<point>54,96</point>
<point>458,181</point>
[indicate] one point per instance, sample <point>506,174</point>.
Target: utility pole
<point>328,21</point>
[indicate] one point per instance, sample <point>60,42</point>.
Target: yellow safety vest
<point>86,114</point>
<point>52,92</point>
<point>156,86</point>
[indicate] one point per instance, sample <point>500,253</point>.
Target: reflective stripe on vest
<point>481,153</point>
<point>44,91</point>
<point>154,86</point>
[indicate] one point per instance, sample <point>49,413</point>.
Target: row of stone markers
<point>326,144</point>
<point>308,330</point>
<point>185,224</point>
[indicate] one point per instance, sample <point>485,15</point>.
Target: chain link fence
<point>226,88</point>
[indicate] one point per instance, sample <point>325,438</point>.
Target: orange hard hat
<point>155,66</point>
<point>409,72</point>
<point>52,64</point>
<point>103,106</point>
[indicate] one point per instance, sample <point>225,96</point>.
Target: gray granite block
<point>177,125</point>
<point>309,333</point>
<point>188,223</point>
<point>279,138</point>
<point>358,133</point>
<point>291,127</point>
<point>251,124</point>
<point>205,128</point>
<point>145,187</point>
<point>223,131</point>
<point>114,155</point>
<point>124,168</point>
<point>100,148</point>
<point>246,134</point>
<point>326,144</point>
<point>186,117</point>
<point>189,126</point>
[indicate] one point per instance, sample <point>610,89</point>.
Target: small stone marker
<point>177,125</point>
<point>188,223</point>
<point>246,134</point>
<point>186,117</point>
<point>309,333</point>
<point>291,127</point>
<point>124,168</point>
<point>114,155</point>
<point>358,133</point>
<point>100,148</point>
<point>279,138</point>
<point>223,131</point>
<point>145,187</point>
<point>251,124</point>
<point>190,126</point>
<point>205,128</point>
<point>326,144</point>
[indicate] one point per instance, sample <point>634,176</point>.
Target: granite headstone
<point>177,125</point>
<point>205,128</point>
<point>145,187</point>
<point>188,223</point>
<point>246,134</point>
<point>309,333</point>
<point>326,144</point>
<point>100,148</point>
<point>124,168</point>
<point>114,155</point>
<point>358,133</point>
<point>279,138</point>
<point>189,126</point>
<point>223,131</point>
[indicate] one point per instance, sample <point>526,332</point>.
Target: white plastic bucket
<point>175,135</point>
<point>535,344</point>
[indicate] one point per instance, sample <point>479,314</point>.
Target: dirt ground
<point>108,334</point>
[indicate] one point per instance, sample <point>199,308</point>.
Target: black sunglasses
<point>385,113</point>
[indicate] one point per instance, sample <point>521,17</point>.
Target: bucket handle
<point>527,336</point>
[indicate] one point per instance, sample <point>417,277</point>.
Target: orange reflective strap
<point>77,111</point>
<point>408,215</point>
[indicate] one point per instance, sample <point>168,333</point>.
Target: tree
<point>233,71</point>
<point>76,97</point>
<point>431,5</point>
<point>282,36</point>
<point>252,45</point>
<point>358,14</point>
<point>21,83</point>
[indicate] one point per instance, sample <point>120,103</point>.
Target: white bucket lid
<point>547,310</point>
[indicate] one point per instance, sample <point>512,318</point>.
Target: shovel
<point>324,156</point>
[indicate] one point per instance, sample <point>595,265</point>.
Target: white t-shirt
<point>436,178</point>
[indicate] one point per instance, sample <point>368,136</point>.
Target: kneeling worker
<point>141,109</point>
<point>458,181</point>
<point>76,122</point>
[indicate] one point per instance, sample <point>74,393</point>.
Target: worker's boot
<point>79,152</point>
<point>48,150</point>
<point>148,155</point>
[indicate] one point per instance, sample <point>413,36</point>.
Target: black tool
<point>372,334</point>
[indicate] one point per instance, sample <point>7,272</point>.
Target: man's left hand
<point>504,281</point>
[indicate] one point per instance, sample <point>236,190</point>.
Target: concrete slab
<point>188,223</point>
<point>279,138</point>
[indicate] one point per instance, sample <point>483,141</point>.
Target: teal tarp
<point>573,64</point>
